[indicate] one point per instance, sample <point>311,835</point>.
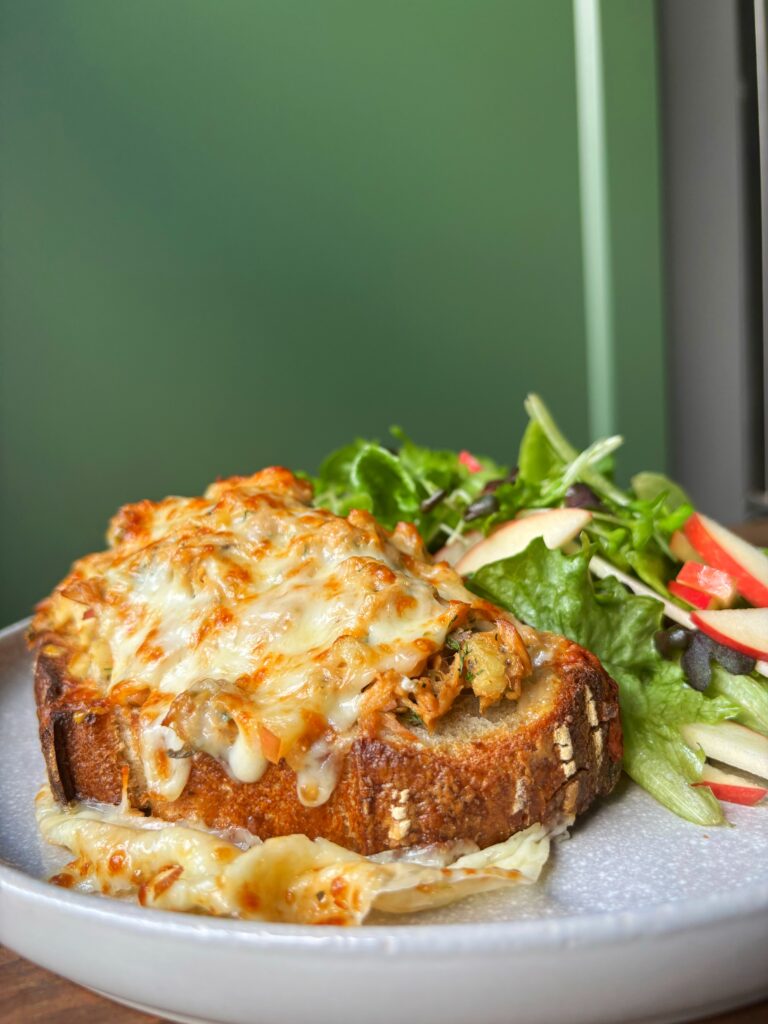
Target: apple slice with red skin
<point>712,582</point>
<point>734,789</point>
<point>557,526</point>
<point>733,744</point>
<point>744,563</point>
<point>454,549</point>
<point>468,459</point>
<point>682,548</point>
<point>695,598</point>
<point>743,629</point>
<point>735,794</point>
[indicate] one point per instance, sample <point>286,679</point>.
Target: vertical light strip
<point>595,222</point>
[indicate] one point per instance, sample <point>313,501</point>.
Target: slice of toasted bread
<point>474,777</point>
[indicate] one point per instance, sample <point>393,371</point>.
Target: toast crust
<point>393,792</point>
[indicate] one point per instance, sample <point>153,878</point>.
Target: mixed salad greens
<point>670,678</point>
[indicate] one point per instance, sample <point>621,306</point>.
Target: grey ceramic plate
<point>640,916</point>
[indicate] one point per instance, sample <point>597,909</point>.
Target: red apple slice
<point>556,526</point>
<point>734,794</point>
<point>468,459</point>
<point>454,549</point>
<point>734,789</point>
<point>682,548</point>
<point>712,582</point>
<point>733,744</point>
<point>746,564</point>
<point>744,629</point>
<point>695,598</point>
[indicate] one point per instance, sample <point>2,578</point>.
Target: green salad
<point>670,675</point>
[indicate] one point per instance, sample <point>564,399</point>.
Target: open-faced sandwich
<point>381,690</point>
<point>296,691</point>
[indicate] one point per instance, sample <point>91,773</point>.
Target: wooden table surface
<point>29,995</point>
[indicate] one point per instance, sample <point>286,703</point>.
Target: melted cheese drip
<point>282,612</point>
<point>244,757</point>
<point>290,878</point>
<point>166,776</point>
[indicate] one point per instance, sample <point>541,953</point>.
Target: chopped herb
<point>411,718</point>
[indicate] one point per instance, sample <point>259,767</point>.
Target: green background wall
<point>240,233</point>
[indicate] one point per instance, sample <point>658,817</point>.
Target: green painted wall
<point>238,233</point>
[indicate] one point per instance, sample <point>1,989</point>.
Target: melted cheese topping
<point>291,878</point>
<point>247,624</point>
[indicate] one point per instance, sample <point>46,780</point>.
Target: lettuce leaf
<point>537,460</point>
<point>749,692</point>
<point>648,487</point>
<point>631,528</point>
<point>556,592</point>
<point>398,485</point>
